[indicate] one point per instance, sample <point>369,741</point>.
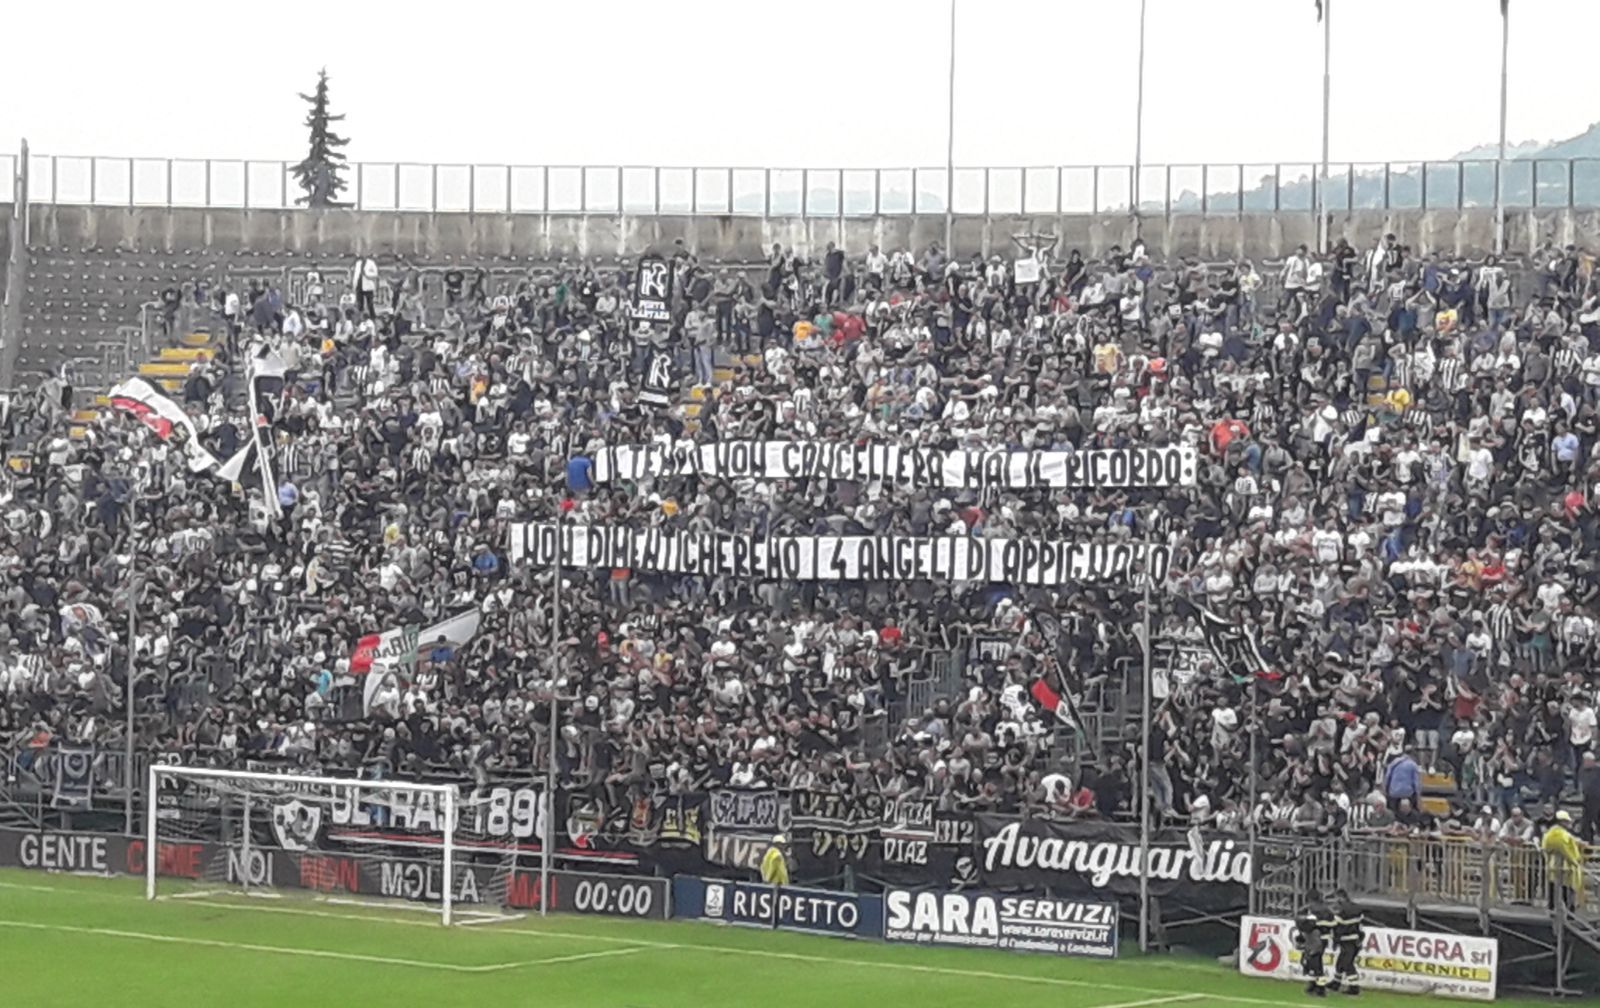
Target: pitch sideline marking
<point>1154,1001</point>
<point>731,950</point>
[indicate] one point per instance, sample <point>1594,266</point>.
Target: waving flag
<point>165,417</point>
<point>378,652</point>
<point>1232,644</point>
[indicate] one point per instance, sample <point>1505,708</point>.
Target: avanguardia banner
<point>947,559</point>
<point>1093,858</point>
<point>907,466</point>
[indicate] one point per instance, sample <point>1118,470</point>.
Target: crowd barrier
<point>1435,871</point>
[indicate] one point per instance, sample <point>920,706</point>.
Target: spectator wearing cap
<point>1563,860</point>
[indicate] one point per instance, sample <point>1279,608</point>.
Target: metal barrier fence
<point>1217,189</point>
<point>1461,872</point>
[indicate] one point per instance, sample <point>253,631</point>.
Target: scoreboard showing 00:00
<point>615,896</point>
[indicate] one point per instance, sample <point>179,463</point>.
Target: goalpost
<point>243,831</point>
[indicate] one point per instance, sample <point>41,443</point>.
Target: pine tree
<point>321,174</point>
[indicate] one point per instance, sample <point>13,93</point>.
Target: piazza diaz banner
<point>944,559</point>
<point>903,465</point>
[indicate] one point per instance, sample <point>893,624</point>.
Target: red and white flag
<point>381,652</point>
<point>165,417</point>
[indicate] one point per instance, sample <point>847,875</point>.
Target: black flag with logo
<point>74,778</point>
<point>1232,644</point>
<point>659,384</point>
<point>652,290</point>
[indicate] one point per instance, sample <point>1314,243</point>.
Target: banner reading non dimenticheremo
<point>1046,562</point>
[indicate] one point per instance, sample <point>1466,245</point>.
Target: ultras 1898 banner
<point>908,466</point>
<point>839,558</point>
<point>1081,858</point>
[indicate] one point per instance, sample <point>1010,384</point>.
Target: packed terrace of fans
<point>1397,492</point>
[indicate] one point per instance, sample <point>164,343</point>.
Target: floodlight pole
<point>1500,161</point>
<point>1138,131</point>
<point>1327,91</point>
<point>950,144</point>
<point>127,690</point>
<point>546,853</point>
<point>1144,769</point>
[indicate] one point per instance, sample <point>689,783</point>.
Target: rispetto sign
<point>1414,962</point>
<point>991,920</point>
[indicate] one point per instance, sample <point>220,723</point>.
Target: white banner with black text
<point>838,558</point>
<point>918,467</point>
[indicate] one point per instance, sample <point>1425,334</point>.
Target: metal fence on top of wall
<point>816,192</point>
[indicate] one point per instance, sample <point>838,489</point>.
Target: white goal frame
<point>446,794</point>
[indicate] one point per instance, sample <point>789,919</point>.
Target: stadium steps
<point>164,369</point>
<point>1438,788</point>
<point>724,370</point>
<point>189,352</point>
<point>1585,931</point>
<point>196,346</point>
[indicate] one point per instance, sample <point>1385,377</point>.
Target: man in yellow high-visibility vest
<point>1564,860</point>
<point>775,862</point>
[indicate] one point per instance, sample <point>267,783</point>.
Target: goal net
<point>212,831</point>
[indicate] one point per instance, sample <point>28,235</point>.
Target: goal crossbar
<point>446,793</point>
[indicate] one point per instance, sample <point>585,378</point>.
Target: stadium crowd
<point>1397,493</point>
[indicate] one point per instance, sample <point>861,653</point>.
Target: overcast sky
<point>823,83</point>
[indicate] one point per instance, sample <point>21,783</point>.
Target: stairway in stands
<point>166,370</point>
<point>723,370</point>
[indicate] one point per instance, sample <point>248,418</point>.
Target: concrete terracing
<point>451,236</point>
<point>90,266</point>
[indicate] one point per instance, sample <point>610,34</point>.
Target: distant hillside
<point>1474,180</point>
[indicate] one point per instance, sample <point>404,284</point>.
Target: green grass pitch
<point>77,941</point>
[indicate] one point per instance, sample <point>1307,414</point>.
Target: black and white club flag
<point>255,464</point>
<point>659,385</point>
<point>1232,644</point>
<point>74,784</point>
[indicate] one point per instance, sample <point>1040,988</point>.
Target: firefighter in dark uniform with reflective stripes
<point>1312,929</point>
<point>1348,932</point>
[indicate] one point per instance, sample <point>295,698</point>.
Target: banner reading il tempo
<point>911,466</point>
<point>1416,962</point>
<point>839,558</point>
<point>989,920</point>
<point>1102,858</point>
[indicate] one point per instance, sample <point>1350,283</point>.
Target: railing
<point>1209,189</point>
<point>1421,872</point>
<point>66,777</point>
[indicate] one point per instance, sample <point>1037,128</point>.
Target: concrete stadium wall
<point>445,236</point>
